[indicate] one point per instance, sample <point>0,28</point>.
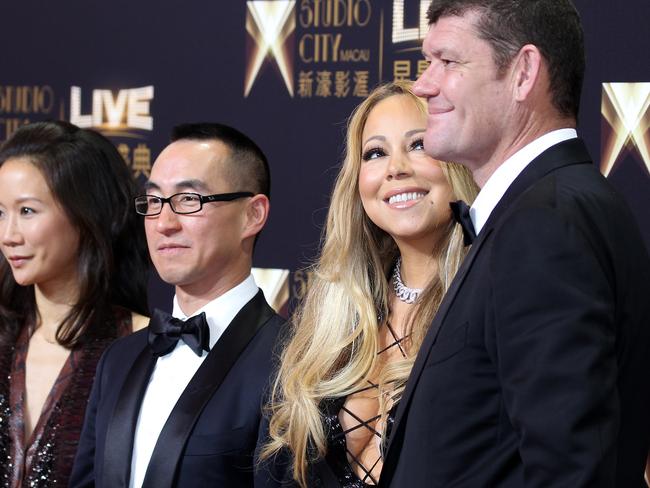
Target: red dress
<point>46,458</point>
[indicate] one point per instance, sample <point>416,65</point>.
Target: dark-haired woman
<point>72,277</point>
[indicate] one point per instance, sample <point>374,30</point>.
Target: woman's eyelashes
<point>373,153</point>
<point>378,152</point>
<point>417,145</point>
<point>24,211</point>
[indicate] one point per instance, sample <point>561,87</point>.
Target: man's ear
<point>526,72</point>
<point>257,212</point>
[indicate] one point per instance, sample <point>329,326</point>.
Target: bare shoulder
<point>139,321</point>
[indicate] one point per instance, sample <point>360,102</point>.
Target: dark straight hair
<point>95,188</point>
<point>248,164</point>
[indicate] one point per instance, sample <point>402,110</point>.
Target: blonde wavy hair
<point>334,341</point>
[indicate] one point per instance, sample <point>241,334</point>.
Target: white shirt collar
<point>173,372</point>
<point>502,178</point>
<point>220,311</point>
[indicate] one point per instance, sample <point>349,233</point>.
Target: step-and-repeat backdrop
<point>287,73</point>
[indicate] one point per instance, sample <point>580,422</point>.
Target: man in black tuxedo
<point>534,371</point>
<point>163,410</point>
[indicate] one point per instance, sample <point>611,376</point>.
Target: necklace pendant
<point>403,292</point>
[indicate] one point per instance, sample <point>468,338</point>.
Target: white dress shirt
<point>173,372</point>
<point>502,178</point>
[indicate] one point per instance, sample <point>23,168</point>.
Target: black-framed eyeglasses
<point>182,203</point>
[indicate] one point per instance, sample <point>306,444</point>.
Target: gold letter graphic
<point>625,107</point>
<point>270,23</point>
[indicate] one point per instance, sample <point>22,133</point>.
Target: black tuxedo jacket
<point>534,371</point>
<point>210,435</point>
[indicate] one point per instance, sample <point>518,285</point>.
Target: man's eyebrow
<point>439,52</point>
<point>183,185</point>
<point>191,184</point>
<point>150,185</point>
<point>432,53</point>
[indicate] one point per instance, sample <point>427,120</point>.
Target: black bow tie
<point>165,331</point>
<point>461,215</point>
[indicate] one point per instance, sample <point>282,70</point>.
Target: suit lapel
<point>572,151</point>
<point>566,153</point>
<point>210,375</point>
<point>118,446</point>
<point>430,339</point>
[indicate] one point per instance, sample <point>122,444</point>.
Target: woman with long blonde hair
<point>390,251</point>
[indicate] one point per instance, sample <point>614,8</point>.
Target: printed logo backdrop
<point>288,73</point>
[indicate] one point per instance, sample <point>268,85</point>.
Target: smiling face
<point>196,252</point>
<point>469,101</point>
<point>403,190</point>
<point>36,236</point>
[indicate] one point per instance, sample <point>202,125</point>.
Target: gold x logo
<point>625,107</point>
<point>270,23</point>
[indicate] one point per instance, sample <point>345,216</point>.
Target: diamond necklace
<point>403,292</point>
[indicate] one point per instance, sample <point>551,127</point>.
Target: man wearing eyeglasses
<point>179,403</point>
